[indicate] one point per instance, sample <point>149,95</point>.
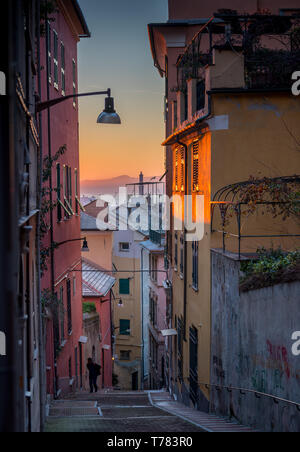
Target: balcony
<point>269,45</point>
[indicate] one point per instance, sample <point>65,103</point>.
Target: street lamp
<point>85,246</point>
<point>108,116</point>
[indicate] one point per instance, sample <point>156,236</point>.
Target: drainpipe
<point>142,313</point>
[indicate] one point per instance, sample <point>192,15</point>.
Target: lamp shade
<point>109,115</point>
<point>85,247</point>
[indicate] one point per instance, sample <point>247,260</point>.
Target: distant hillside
<point>105,186</point>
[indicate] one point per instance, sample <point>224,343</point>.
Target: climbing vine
<point>47,206</point>
<point>47,9</point>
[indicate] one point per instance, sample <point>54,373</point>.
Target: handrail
<point>243,391</point>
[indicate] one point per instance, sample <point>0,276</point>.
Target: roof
<point>88,223</point>
<point>86,200</point>
<point>85,28</point>
<point>95,282</point>
<point>153,247</point>
<point>153,27</point>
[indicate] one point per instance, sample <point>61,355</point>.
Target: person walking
<point>94,372</point>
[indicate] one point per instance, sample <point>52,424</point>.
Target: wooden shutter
<point>176,169</point>
<point>196,166</point>
<point>182,169</point>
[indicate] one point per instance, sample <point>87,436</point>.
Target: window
<point>181,255</point>
<point>74,83</point>
<point>180,331</point>
<point>176,169</point>
<point>196,166</point>
<point>63,68</point>
<point>195,247</point>
<point>182,169</point>
<point>176,252</point>
<point>55,59</point>
<point>56,324</point>
<point>58,188</point>
<point>62,315</point>
<point>153,267</point>
<point>2,84</point>
<point>67,188</point>
<point>70,368</point>
<point>69,307</point>
<point>124,286</point>
<point>49,45</point>
<point>124,246</point>
<point>125,327</point>
<point>153,307</point>
<point>200,95</point>
<point>77,202</point>
<point>74,286</point>
<point>125,355</point>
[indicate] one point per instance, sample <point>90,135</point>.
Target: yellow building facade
<point>222,133</point>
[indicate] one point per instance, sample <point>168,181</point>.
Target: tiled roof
<point>95,282</point>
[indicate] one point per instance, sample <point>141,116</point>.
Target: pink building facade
<point>154,307</point>
<point>62,277</point>
<point>97,292</point>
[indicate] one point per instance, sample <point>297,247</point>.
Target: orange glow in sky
<point>118,56</point>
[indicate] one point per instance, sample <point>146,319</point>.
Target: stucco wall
<point>252,348</point>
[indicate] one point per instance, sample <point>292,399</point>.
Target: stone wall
<point>252,349</point>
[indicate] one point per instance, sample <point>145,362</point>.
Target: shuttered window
<point>195,247</point>
<point>69,306</point>
<point>63,69</point>
<point>196,166</point>
<point>58,188</point>
<point>49,45</point>
<point>124,286</point>
<point>55,59</point>
<point>176,169</point>
<point>182,169</point>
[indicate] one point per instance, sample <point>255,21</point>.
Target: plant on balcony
<point>89,308</point>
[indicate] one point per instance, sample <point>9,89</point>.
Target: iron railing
<point>269,44</point>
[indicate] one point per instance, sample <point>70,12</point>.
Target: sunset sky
<point>118,56</point>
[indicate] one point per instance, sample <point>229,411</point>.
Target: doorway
<point>135,381</point>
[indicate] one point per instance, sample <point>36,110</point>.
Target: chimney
<point>141,180</point>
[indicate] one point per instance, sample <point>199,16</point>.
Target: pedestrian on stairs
<point>94,373</point>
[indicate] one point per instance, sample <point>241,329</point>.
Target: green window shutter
<point>124,287</point>
<point>125,327</point>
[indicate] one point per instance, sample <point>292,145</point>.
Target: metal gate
<point>194,365</point>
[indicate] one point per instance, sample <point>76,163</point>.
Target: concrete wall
<point>252,348</point>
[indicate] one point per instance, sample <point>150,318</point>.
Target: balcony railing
<point>270,45</point>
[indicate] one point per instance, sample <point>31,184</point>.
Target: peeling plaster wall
<point>252,348</point>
